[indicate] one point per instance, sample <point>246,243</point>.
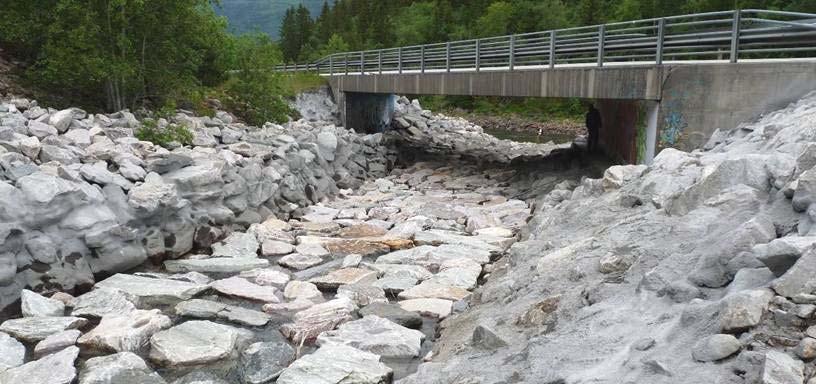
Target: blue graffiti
<point>673,126</point>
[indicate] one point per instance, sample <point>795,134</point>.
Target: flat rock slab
<point>193,343</point>
<point>362,230</point>
<point>205,309</point>
<point>781,368</point>
<point>13,352</point>
<point>362,294</point>
<point>148,291</point>
<point>238,287</point>
<point>215,265</point>
<point>337,364</point>
<point>300,262</point>
<point>33,329</point>
<point>432,290</point>
<point>394,313</point>
<point>387,270</point>
<point>263,362</point>
<point>35,305</point>
<point>393,285</point>
<point>101,302</point>
<point>376,335</point>
<point>309,323</point>
<point>302,290</point>
<point>439,237</point>
<point>269,277</point>
<point>56,342</point>
<point>336,278</point>
<point>238,244</point>
<point>52,369</point>
<point>125,333</point>
<point>438,308</point>
<point>432,257</point>
<point>276,248</point>
<point>120,368</point>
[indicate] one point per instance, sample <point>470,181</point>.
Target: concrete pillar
<point>367,112</point>
<point>652,111</point>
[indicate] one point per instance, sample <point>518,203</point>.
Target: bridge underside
<point>644,108</point>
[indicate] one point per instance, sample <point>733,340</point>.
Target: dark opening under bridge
<point>665,82</point>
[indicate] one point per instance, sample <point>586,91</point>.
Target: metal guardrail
<point>731,35</point>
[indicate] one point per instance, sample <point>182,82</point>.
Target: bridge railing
<point>726,35</point>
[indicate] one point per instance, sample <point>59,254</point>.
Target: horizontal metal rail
<point>725,35</point>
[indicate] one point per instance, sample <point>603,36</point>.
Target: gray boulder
<point>337,364</point>
<point>715,347</point>
<point>52,369</point>
<point>35,305</point>
<point>13,352</point>
<point>120,368</point>
<point>263,362</point>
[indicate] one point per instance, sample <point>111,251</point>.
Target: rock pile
<point>454,138</point>
<point>699,268</point>
<point>346,290</point>
<point>80,196</point>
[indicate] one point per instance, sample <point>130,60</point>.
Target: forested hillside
<point>260,15</point>
<point>371,24</point>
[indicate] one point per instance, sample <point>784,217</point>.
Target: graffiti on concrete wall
<point>673,121</point>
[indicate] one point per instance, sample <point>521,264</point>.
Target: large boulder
<point>52,369</point>
<point>376,335</point>
<point>337,364</point>
<point>120,368</point>
<point>193,343</point>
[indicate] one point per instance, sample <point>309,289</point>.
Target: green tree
<point>497,20</point>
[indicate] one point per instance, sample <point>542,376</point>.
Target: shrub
<point>150,131</point>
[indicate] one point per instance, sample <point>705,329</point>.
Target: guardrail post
<point>422,59</point>
<point>362,63</point>
<point>345,62</point>
<point>661,35</point>
<point>552,49</point>
<point>447,56</point>
<point>735,32</point>
<point>331,65</point>
<point>601,38</point>
<point>512,51</point>
<point>399,59</point>
<point>379,61</point>
<point>478,53</point>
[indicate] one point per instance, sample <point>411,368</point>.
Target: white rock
<point>309,323</point>
<point>52,369</point>
<point>125,333</point>
<point>782,369</point>
<point>238,244</point>
<point>376,335</point>
<point>33,329</point>
<point>336,364</point>
<point>428,307</point>
<point>56,342</point>
<point>215,265</point>
<point>236,286</point>
<point>146,291</point>
<point>193,343</point>
<point>13,352</point>
<point>119,368</point>
<point>101,302</point>
<point>301,290</point>
<point>35,305</point>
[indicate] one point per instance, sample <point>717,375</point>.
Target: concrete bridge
<point>668,82</point>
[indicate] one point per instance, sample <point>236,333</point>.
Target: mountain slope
<point>261,15</point>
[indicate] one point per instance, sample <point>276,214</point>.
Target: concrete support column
<point>367,112</point>
<point>652,111</point>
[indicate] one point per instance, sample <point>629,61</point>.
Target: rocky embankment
<point>289,254</point>
<point>700,268</point>
<point>81,197</point>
